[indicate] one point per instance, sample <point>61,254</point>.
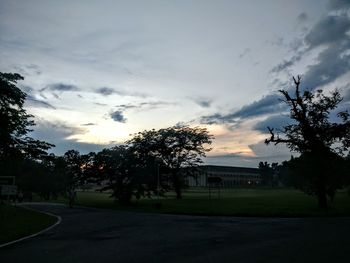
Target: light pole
<point>158,182</point>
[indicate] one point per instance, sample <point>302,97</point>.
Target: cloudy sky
<point>97,71</point>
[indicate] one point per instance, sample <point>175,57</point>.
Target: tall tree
<point>74,163</point>
<point>15,122</point>
<point>77,169</point>
<point>315,137</point>
<point>175,148</point>
<point>267,172</point>
<point>122,171</point>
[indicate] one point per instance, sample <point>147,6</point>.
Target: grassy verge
<point>17,222</point>
<point>232,202</point>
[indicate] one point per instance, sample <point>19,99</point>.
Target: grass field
<point>17,222</point>
<point>234,202</point>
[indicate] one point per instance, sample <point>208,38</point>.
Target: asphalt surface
<point>96,235</point>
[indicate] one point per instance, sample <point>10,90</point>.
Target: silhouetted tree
<point>175,148</point>
<point>15,123</point>
<point>123,172</point>
<point>74,164</point>
<point>267,172</point>
<point>319,140</point>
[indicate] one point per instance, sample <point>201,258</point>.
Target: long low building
<point>226,176</point>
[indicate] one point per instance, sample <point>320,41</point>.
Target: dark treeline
<point>129,170</point>
<point>298,173</point>
<point>152,161</point>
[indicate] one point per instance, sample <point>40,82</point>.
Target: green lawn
<point>17,222</point>
<point>235,202</point>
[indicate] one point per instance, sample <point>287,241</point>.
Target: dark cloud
<point>332,31</point>
<point>144,105</point>
<point>275,121</point>
<point>329,29</point>
<point>338,4</point>
<point>333,63</point>
<point>33,102</point>
<point>218,118</point>
<point>123,107</point>
<point>43,96</point>
<point>286,64</point>
<point>100,104</point>
<point>55,95</point>
<point>302,17</point>
<point>61,87</point>
<point>245,52</point>
<point>105,91</point>
<point>205,103</point>
<point>268,104</point>
<point>118,116</point>
<point>88,124</point>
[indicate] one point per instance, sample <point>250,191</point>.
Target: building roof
<point>217,168</point>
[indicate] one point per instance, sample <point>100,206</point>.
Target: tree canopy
<point>121,170</point>
<point>174,148</point>
<point>15,122</point>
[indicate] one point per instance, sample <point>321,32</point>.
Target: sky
<point>97,72</point>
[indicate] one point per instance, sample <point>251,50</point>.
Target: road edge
<point>59,220</point>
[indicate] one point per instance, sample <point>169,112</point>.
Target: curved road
<point>96,235</point>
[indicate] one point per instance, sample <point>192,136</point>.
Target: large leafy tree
<point>74,164</point>
<point>121,170</point>
<point>15,123</point>
<point>320,141</point>
<point>174,148</point>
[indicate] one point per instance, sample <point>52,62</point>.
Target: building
<point>229,176</point>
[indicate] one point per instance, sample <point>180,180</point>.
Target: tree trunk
<point>178,193</point>
<point>177,185</point>
<point>322,197</point>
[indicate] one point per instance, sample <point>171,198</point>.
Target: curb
<point>59,220</point>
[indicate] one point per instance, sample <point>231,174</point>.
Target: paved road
<point>96,235</point>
